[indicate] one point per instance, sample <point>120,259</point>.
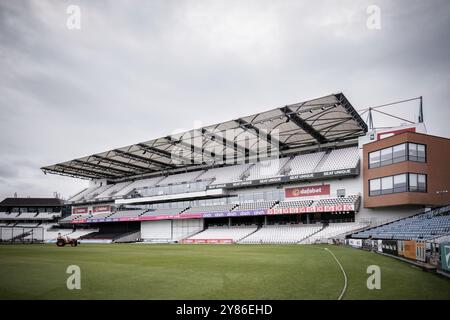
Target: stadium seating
<point>150,182</point>
<point>180,178</point>
<point>266,169</point>
<point>127,214</point>
<point>27,224</point>
<point>339,159</point>
<point>96,192</point>
<point>79,233</point>
<point>26,216</point>
<point>108,236</point>
<point>68,219</point>
<point>214,208</point>
<point>163,211</point>
<point>255,205</point>
<point>50,234</point>
<point>225,174</point>
<point>47,215</point>
<point>6,234</point>
<point>350,199</point>
<point>282,234</point>
<point>8,216</point>
<point>304,163</point>
<point>419,227</point>
<point>233,232</point>
<point>301,164</point>
<point>334,230</point>
<point>99,215</point>
<point>80,196</point>
<point>110,192</point>
<point>294,204</point>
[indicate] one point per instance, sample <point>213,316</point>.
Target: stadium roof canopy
<point>315,123</point>
<point>31,202</point>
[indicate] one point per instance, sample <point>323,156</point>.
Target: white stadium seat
<point>334,230</point>
<point>266,169</point>
<point>150,182</point>
<point>304,163</point>
<point>180,178</point>
<point>234,233</point>
<point>213,208</point>
<point>225,174</point>
<point>113,190</point>
<point>338,159</point>
<point>255,205</point>
<point>282,234</point>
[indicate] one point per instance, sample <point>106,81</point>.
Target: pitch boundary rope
<point>343,272</point>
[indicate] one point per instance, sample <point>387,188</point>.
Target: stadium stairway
<point>192,234</point>
<point>322,161</point>
<point>312,234</point>
<point>286,168</point>
<point>129,237</point>
<point>257,229</point>
<point>246,173</point>
<point>77,194</point>
<point>21,236</point>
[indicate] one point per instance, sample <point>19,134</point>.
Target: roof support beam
<point>75,170</point>
<point>121,163</point>
<point>292,116</point>
<point>163,153</point>
<point>349,108</point>
<point>267,136</point>
<point>101,167</point>
<point>226,143</point>
<point>191,147</point>
<point>80,176</point>
<point>136,157</point>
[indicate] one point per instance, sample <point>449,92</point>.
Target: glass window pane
<point>399,153</point>
<point>412,182</point>
<point>386,156</point>
<point>412,151</point>
<point>374,159</point>
<point>422,182</point>
<point>421,153</point>
<point>374,187</point>
<point>387,185</point>
<point>400,183</point>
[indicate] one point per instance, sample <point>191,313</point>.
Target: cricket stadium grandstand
<point>313,172</point>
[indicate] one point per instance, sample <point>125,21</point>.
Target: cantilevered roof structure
<point>278,132</point>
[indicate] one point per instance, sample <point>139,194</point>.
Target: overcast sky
<point>140,70</point>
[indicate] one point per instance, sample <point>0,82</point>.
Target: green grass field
<point>208,272</point>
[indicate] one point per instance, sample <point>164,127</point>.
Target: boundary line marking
<point>343,272</point>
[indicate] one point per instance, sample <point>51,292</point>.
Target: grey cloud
<point>140,70</point>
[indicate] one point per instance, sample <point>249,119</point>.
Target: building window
<point>386,157</point>
<point>374,159</point>
<point>374,187</point>
<point>398,153</point>
<point>416,152</point>
<point>406,182</point>
<point>387,185</point>
<point>417,182</point>
<point>400,184</point>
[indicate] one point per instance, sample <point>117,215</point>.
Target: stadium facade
<point>295,174</point>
